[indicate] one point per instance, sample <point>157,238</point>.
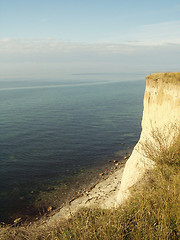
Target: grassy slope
<point>152,213</point>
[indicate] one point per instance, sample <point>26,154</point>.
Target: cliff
<point>161,110</point>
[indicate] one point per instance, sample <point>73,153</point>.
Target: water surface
<point>51,131</point>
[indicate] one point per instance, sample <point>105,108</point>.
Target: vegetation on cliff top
<point>153,212</point>
<point>168,77</point>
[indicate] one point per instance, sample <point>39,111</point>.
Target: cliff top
<point>169,77</point>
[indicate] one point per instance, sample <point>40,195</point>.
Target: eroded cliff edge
<point>161,107</point>
<point>161,110</point>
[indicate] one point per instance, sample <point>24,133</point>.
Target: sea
<point>57,136</point>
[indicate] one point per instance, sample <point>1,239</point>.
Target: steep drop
<point>161,110</point>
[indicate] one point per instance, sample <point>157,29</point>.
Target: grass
<point>168,77</point>
<point>153,211</point>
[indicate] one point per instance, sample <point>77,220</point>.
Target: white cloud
<point>50,47</point>
<point>159,33</point>
<point>43,58</point>
<point>150,34</point>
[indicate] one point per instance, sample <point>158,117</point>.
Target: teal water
<point>53,130</point>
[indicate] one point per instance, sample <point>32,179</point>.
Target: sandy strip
<point>102,195</point>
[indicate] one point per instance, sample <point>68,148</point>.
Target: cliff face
<point>161,108</point>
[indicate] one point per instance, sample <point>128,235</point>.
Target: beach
<point>101,194</point>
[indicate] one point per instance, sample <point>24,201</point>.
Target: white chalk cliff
<point>161,108</point>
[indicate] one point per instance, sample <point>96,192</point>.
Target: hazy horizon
<point>87,40</point>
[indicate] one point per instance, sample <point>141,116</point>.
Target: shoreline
<point>102,194</point>
<point>56,146</point>
<point>82,186</point>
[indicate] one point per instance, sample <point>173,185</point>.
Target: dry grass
<point>169,77</point>
<point>153,212</point>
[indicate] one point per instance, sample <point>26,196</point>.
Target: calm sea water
<point>50,131</point>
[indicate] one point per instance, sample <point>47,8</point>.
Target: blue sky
<point>63,38</point>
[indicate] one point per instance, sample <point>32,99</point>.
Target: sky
<point>88,39</point>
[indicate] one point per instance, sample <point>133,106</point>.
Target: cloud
<point>149,34</point>
<point>159,33</point>
<point>50,58</point>
<point>50,45</point>
<point>54,48</point>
